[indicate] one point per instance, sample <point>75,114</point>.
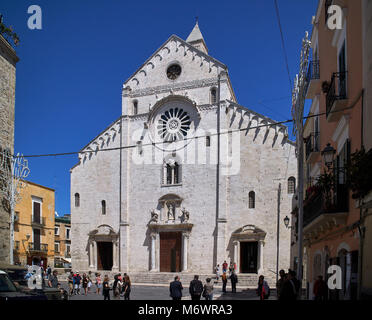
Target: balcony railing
<point>38,247</point>
<point>316,206</point>
<point>312,144</point>
<point>336,91</point>
<point>38,221</point>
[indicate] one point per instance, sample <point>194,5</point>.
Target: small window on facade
<point>291,185</point>
<point>213,96</point>
<point>67,233</point>
<point>56,231</point>
<point>252,200</point>
<point>208,141</point>
<point>103,207</point>
<point>56,247</point>
<point>77,200</point>
<point>135,107</point>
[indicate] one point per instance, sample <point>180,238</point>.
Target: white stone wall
<point>264,160</point>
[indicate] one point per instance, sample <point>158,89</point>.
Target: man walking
<point>70,280</point>
<point>196,288</point>
<point>224,282</point>
<point>176,288</point>
<point>53,280</point>
<point>280,283</point>
<point>234,281</point>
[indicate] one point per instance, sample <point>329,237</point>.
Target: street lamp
<point>328,155</point>
<point>286,222</point>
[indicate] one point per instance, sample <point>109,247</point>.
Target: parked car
<point>17,276</point>
<point>8,291</point>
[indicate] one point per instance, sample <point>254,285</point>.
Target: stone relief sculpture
<point>154,216</point>
<point>171,211</point>
<point>185,215</point>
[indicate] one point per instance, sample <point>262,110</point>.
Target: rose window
<point>173,124</point>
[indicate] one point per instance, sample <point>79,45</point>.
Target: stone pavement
<point>161,292</point>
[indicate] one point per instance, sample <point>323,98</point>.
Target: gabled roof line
<point>185,43</point>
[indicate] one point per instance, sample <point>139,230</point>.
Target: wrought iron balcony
<point>38,222</point>
<point>336,91</point>
<point>312,144</point>
<point>313,79</point>
<point>317,205</point>
<point>43,247</point>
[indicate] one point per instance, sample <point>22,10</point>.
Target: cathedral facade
<point>186,178</point>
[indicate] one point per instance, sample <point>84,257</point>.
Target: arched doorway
<point>248,243</point>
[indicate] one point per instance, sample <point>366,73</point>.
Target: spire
<point>196,39</point>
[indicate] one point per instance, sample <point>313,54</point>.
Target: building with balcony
<point>334,85</point>
<point>62,241</point>
<point>34,226</point>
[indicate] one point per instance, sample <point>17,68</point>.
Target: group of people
<point>196,289</point>
<point>288,286</point>
<point>121,286</point>
<point>224,277</point>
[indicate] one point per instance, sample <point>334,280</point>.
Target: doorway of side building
<point>170,251</point>
<point>104,256</point>
<point>248,257</point>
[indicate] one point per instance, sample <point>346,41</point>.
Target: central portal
<point>248,257</point>
<point>104,255</point>
<point>170,251</point>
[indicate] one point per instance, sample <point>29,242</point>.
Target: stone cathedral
<point>186,178</point>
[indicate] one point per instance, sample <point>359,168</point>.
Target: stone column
<point>185,240</point>
<point>236,255</point>
<point>115,255</point>
<point>153,252</point>
<point>260,256</point>
<point>91,254</point>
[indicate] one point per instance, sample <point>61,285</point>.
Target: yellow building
<point>34,226</point>
<point>62,241</point>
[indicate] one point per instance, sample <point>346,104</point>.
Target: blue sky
<point>70,73</point>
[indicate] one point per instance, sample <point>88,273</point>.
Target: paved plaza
<point>161,292</point>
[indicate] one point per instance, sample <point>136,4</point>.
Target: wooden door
<point>104,256</point>
<point>36,239</point>
<point>170,251</point>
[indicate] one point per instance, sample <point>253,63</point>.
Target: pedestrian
<point>208,290</point>
<point>196,288</point>
<point>77,284</point>
<point>234,281</point>
<point>89,280</point>
<point>127,287</point>
<point>320,289</point>
<point>217,271</point>
<point>263,289</point>
<point>53,280</point>
<point>49,271</point>
<point>85,283</point>
<point>224,282</point>
<point>289,291</point>
<point>116,287</point>
<point>98,283</point>
<point>224,266</point>
<point>70,280</point>
<point>280,283</point>
<point>176,288</point>
<point>231,268</point>
<point>122,288</point>
<point>106,288</point>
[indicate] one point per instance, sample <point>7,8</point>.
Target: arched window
<point>213,95</point>
<point>103,204</point>
<point>291,185</point>
<point>173,173</point>
<point>77,200</point>
<point>135,107</point>
<point>252,200</point>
